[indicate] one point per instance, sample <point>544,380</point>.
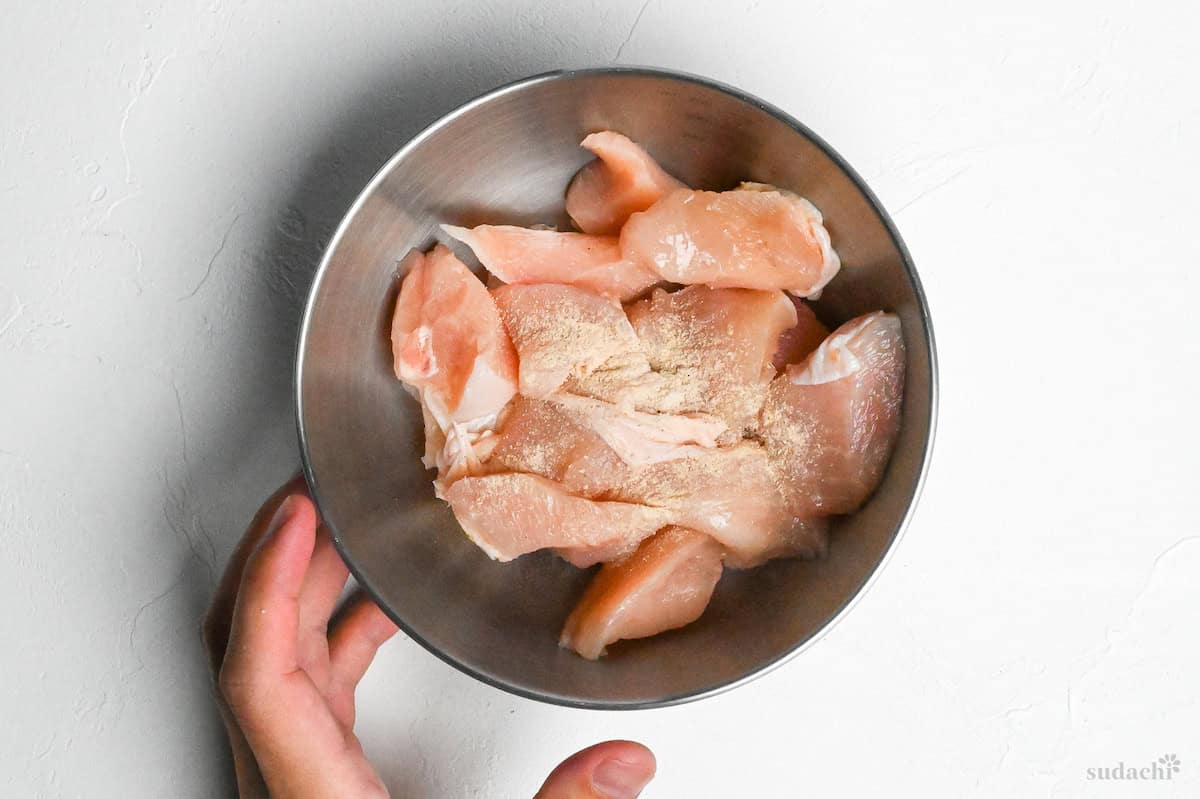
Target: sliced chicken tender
<point>509,515</point>
<point>560,332</point>
<point>524,255</point>
<point>755,237</point>
<point>623,180</point>
<point>830,423</point>
<point>713,347</point>
<point>667,583</point>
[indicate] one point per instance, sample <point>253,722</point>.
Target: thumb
<point>611,770</point>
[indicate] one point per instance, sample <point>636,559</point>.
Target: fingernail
<point>282,514</point>
<point>618,779</point>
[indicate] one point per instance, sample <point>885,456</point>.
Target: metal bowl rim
<point>569,74</point>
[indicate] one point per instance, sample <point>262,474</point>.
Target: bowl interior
<point>507,158</point>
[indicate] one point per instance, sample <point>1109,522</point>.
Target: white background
<point>170,172</point>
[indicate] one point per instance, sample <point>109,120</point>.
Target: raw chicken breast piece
<point>829,423</point>
<point>798,341</point>
<point>561,331</point>
<point>451,350</point>
<point>640,438</point>
<point>806,539</point>
<point>667,583</point>
<point>622,180</point>
<point>525,255</point>
<point>755,237</point>
<point>508,515</point>
<point>539,437</point>
<point>585,557</point>
<point>713,347</point>
<point>732,494</point>
<point>575,340</point>
<point>625,380</point>
<point>448,342</point>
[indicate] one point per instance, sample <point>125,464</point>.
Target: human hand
<point>286,675</point>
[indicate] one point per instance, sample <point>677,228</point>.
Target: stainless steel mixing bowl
<point>507,157</point>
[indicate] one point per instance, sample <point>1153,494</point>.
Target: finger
<point>355,639</point>
<point>610,770</point>
<point>266,617</point>
<point>323,585</point>
<point>216,624</point>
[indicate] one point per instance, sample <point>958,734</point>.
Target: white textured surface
<point>169,172</point>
